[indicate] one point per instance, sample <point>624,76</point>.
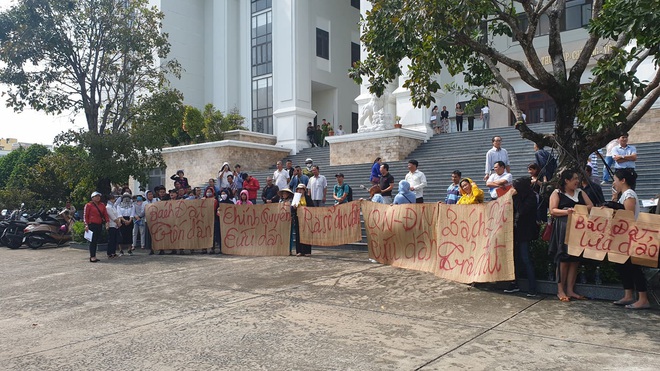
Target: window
<point>262,105</point>
<point>156,178</point>
<point>355,4</point>
<point>355,53</point>
<point>262,44</point>
<point>577,14</point>
<point>322,44</point>
<point>259,5</point>
<point>262,66</point>
<point>538,107</point>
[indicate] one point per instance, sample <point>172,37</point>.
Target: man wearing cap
<point>95,215</point>
<point>340,191</point>
<point>318,187</point>
<point>308,168</point>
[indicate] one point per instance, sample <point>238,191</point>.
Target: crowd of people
<point>124,213</point>
<point>316,133</point>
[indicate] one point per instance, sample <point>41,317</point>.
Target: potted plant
<point>397,125</point>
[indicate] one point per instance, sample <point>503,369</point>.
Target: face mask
<point>309,166</point>
<point>224,197</point>
<point>209,194</point>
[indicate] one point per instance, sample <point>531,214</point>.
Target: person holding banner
<point>302,249</point>
<point>524,230</point>
<point>562,202</point>
<point>286,197</point>
<point>470,193</point>
<point>631,274</point>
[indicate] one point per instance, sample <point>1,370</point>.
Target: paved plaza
<point>332,311</point>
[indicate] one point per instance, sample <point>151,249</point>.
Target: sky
<point>31,126</point>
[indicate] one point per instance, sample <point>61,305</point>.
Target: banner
<point>615,234</point>
<point>255,230</point>
<point>476,242</point>
<point>330,226</point>
<point>402,235</point>
<point>463,243</point>
<point>181,224</point>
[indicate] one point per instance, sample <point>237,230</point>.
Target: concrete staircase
<point>464,151</point>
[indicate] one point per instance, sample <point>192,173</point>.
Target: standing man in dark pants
<point>95,215</point>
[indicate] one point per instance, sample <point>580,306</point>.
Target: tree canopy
<point>461,37</point>
<point>99,57</point>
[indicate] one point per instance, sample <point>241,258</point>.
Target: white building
<point>282,63</point>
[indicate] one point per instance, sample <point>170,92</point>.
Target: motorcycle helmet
<point>64,228</point>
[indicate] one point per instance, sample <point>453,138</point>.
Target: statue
<point>377,113</point>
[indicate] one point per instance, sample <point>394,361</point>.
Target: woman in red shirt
<point>95,215</point>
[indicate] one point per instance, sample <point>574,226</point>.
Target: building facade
<point>284,63</point>
<point>280,63</point>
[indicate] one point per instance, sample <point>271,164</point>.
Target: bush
<point>543,263</point>
<point>78,233</point>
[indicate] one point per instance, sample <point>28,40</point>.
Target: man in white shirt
<point>340,131</point>
<point>417,181</point>
<point>318,187</point>
<point>499,179</point>
<point>497,153</point>
<point>281,176</point>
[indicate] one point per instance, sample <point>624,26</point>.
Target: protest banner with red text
<point>330,226</point>
<point>181,224</point>
<point>402,235</point>
<point>255,230</point>
<point>475,242</point>
<point>614,233</point>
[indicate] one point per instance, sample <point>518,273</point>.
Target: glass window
<point>322,44</point>
<point>262,105</point>
<point>355,53</point>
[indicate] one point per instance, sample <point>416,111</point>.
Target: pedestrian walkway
<point>332,311</point>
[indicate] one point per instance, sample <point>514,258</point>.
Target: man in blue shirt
<point>453,191</point>
<point>624,155</point>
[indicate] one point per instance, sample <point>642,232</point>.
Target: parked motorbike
<point>49,228</point>
<point>12,228</point>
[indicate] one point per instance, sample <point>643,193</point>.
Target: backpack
<point>349,196</point>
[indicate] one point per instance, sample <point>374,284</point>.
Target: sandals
<point>578,297</point>
<point>93,261</point>
<point>633,307</point>
<point>564,299</point>
<point>623,303</point>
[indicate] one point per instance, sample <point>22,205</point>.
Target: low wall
<point>647,130</point>
<point>202,161</point>
<point>250,137</point>
<point>359,148</point>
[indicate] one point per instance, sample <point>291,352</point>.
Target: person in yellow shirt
<point>470,193</point>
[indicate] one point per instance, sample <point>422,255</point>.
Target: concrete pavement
<point>331,311</point>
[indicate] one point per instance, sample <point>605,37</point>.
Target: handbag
<point>547,232</point>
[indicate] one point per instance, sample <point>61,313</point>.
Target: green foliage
<point>78,233</point>
<point>430,37</point>
<point>211,124</point>
<point>7,165</point>
<point>96,57</point>
<point>28,158</point>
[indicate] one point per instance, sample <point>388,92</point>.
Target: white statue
<point>376,111</point>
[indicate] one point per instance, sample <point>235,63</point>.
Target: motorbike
<point>12,228</point>
<point>49,228</point>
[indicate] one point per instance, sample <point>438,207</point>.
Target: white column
<point>292,88</point>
